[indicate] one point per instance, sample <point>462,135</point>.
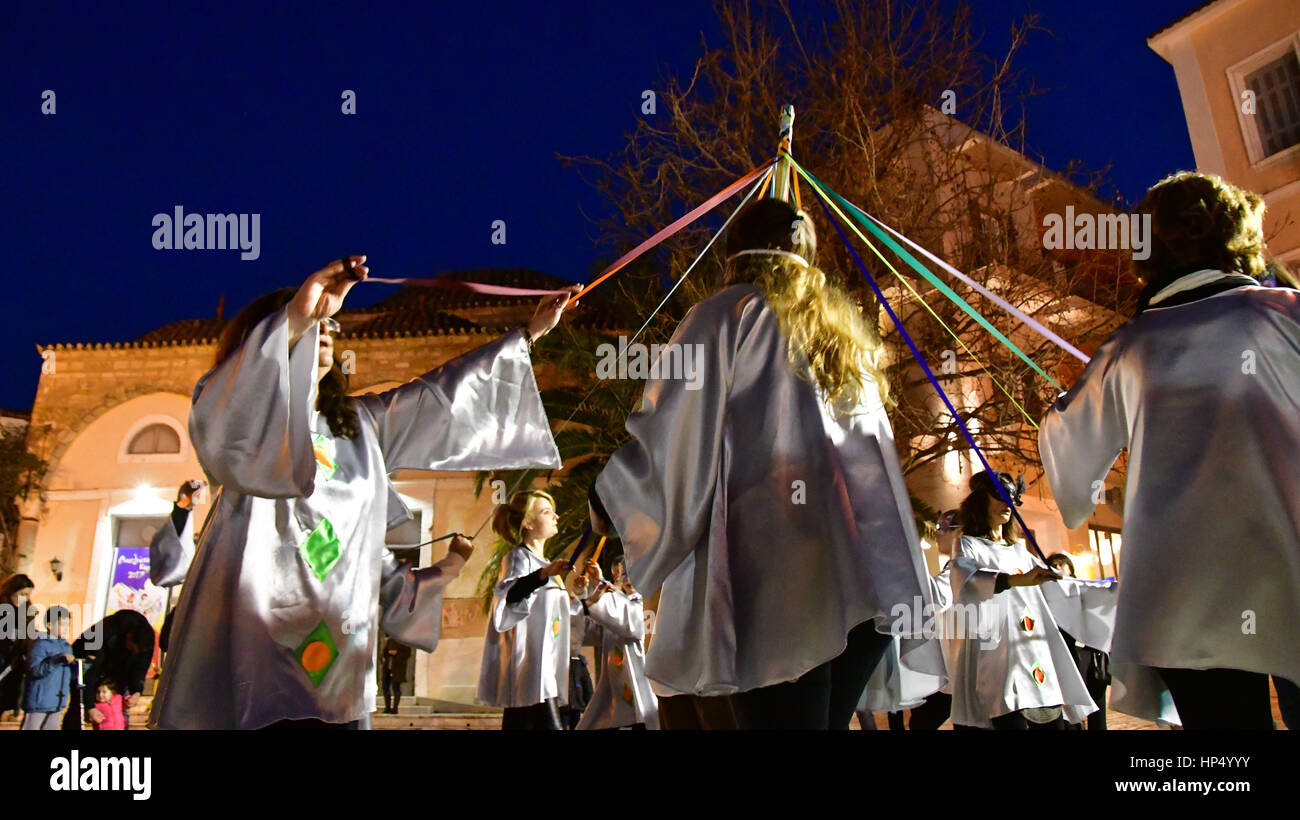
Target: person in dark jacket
<point>1093,664</point>
<point>396,657</point>
<point>49,673</point>
<point>15,591</point>
<point>119,649</point>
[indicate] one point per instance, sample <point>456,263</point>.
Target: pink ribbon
<point>476,287</point>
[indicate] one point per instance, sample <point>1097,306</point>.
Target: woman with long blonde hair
<point>765,498</point>
<point>525,665</point>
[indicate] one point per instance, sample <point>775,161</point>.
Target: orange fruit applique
<point>315,656</point>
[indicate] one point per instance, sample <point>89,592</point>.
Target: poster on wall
<point>131,589</point>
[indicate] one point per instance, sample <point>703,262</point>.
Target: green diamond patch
<point>316,653</point>
<point>322,549</point>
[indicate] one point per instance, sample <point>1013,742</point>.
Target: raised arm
<point>480,411</point>
<point>172,548</point>
<point>1082,435</point>
<point>250,423</point>
<point>619,614</point>
<point>658,489</point>
<point>410,601</point>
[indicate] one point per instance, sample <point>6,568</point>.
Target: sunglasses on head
<point>330,326</point>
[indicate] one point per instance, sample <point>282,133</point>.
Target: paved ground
<point>1114,720</point>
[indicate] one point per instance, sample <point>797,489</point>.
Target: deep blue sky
<point>461,112</point>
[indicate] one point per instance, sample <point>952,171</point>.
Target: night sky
<point>460,115</point>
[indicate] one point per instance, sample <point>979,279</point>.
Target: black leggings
<point>694,713</point>
<point>544,716</point>
<point>1220,698</point>
<point>310,724</point>
<point>1016,721</point>
<point>932,714</point>
<point>824,697</point>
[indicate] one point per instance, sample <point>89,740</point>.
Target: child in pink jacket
<point>107,713</point>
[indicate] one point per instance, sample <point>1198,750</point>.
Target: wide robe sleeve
<point>480,411</point>
<point>659,488</point>
<point>1082,435</point>
<point>971,581</point>
<point>170,552</point>
<point>516,564</point>
<point>619,615</point>
<point>410,602</point>
<point>1085,609</point>
<point>251,419</point>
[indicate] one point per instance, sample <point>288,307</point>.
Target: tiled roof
<point>1170,25</point>
<point>411,311</point>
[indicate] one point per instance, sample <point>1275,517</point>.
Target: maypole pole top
<point>783,181</point>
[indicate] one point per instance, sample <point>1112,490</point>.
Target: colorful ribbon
<point>456,284</point>
<point>676,226</point>
<point>988,294</point>
<point>573,559</point>
<point>919,268</point>
<point>916,354</point>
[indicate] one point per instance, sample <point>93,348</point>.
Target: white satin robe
<point>1206,397</point>
<point>772,526</point>
<point>895,685</point>
<point>622,696</point>
<point>526,650</point>
<point>277,619</point>
<point>171,552</point>
<point>1008,651</point>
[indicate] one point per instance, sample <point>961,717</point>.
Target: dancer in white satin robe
<point>1203,388</point>
<point>171,550</point>
<point>526,649</point>
<point>1016,659</point>
<point>622,696</point>
<point>1212,502</point>
<point>277,620</point>
<point>773,522</point>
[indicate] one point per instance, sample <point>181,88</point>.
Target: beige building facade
<point>1237,63</point>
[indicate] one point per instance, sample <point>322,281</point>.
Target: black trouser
<point>1220,698</point>
<point>931,715</point>
<point>313,724</point>
<point>392,692</point>
<point>824,697</point>
<point>694,713</point>
<point>1097,690</point>
<point>1016,721</point>
<point>544,715</point>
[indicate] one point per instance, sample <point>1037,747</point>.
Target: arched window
<point>155,439</point>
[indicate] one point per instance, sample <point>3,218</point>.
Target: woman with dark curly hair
<point>1203,388</point>
<point>277,624</point>
<point>1011,668</point>
<point>15,592</point>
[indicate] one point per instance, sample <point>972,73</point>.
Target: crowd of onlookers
<point>92,681</point>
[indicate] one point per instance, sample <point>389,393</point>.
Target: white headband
<point>771,252</point>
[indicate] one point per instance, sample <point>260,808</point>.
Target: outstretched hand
<point>1036,576</point>
<point>462,546</point>
<point>185,494</point>
<point>322,294</point>
<point>548,312</point>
